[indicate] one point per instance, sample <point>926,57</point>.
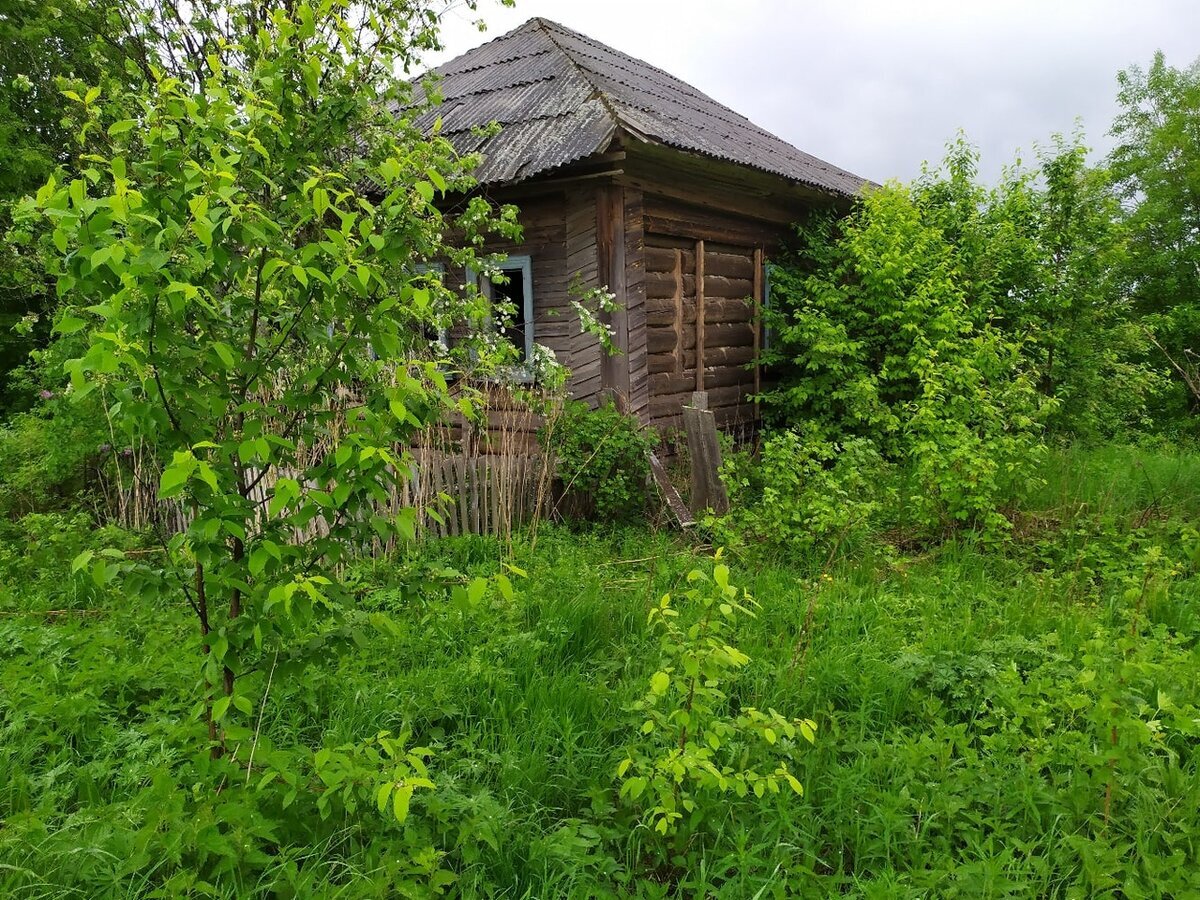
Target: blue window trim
<point>522,263</point>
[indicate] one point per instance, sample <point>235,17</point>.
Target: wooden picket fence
<point>453,494</point>
<point>459,494</point>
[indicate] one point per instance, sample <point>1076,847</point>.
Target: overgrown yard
<point>1015,719</point>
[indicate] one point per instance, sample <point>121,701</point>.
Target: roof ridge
<point>588,39</point>
<point>628,61</point>
<point>596,90</point>
<point>604,99</point>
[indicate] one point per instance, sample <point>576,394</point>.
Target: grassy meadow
<point>1016,719</point>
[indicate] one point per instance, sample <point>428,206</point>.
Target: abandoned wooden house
<point>629,178</point>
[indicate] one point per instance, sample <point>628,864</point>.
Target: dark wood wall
<point>674,331</point>
<point>682,243</point>
<point>559,235</point>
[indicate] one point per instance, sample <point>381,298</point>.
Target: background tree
<point>1156,166</point>
<point>45,48</point>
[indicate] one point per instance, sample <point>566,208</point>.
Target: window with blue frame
<point>513,295</point>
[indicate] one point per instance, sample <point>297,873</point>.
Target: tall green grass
<point>965,699</point>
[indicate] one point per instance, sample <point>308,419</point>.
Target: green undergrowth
<point>1010,719</point>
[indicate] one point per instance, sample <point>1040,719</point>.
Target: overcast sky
<point>878,86</point>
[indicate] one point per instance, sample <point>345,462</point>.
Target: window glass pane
<point>512,295</point>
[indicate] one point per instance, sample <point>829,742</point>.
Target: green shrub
<point>695,754</point>
<point>602,460</point>
<point>36,553</point>
<point>884,332</point>
<point>804,493</point>
<point>50,455</point>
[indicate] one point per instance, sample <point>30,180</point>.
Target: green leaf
<point>225,353</point>
<point>300,274</point>
<point>384,794</point>
<point>208,476</point>
<point>176,475</point>
<point>99,257</point>
<point>121,126</point>
<point>476,591</point>
<point>81,561</point>
<point>320,201</point>
<point>204,230</point>
<point>794,783</point>
<point>633,787</point>
<point>400,801</point>
<point>808,730</point>
<point>69,324</point>
<point>659,682</point>
<point>220,708</point>
<point>505,587</point>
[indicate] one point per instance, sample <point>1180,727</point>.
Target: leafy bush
<point>883,323</point>
<point>693,749</point>
<point>50,455</point>
<point>36,552</point>
<point>602,459</point>
<point>805,493</point>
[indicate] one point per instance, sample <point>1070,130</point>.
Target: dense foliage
<point>954,329</point>
<point>45,49</point>
<point>966,702</point>
<point>884,318</point>
<point>807,493</point>
<point>972,671</point>
<point>601,458</point>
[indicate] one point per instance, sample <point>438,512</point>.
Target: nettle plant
<point>241,250</point>
<point>693,744</point>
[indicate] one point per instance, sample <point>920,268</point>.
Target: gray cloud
<point>879,86</point>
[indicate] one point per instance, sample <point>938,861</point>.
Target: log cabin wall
<point>721,222</point>
<point>559,237</point>
<point>620,254</point>
<point>682,243</point>
<point>703,282</point>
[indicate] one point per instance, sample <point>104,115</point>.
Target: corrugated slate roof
<point>561,96</point>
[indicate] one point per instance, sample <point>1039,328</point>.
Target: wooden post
<point>699,315</point>
<point>678,298</point>
<point>610,263</point>
<point>758,305</point>
<point>708,491</point>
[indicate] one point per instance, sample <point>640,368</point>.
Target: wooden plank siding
<point>610,255</point>
<point>635,299</point>
<point>559,236</point>
<point>692,267</point>
<point>581,259</point>
<point>664,244</point>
